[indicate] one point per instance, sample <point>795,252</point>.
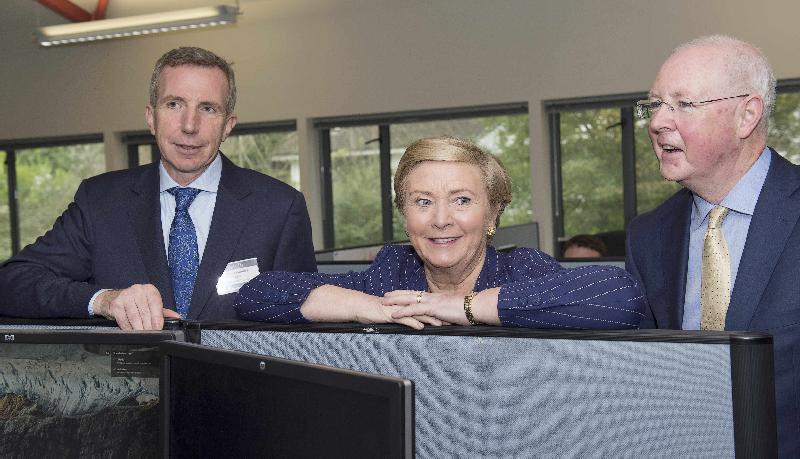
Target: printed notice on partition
<point>141,363</point>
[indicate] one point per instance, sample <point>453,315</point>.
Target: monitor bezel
<point>401,401</point>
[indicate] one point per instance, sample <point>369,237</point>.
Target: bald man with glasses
<point>723,253</point>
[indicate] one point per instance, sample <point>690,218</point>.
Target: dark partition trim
<point>753,398</point>
<point>668,336</point>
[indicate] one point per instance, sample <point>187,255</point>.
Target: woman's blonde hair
<point>445,148</point>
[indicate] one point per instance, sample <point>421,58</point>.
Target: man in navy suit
<point>708,110</point>
<point>109,253</point>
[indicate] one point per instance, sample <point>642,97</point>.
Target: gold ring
<point>419,296</point>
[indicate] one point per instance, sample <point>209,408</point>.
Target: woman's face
<point>447,213</point>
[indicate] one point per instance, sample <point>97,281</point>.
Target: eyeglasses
<point>646,108</point>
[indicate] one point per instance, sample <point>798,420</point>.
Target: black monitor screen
<point>232,404</point>
<point>79,393</point>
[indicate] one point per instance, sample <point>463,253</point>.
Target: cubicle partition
<point>477,391</point>
<point>486,391</point>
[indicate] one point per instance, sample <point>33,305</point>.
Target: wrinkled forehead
<point>692,73</point>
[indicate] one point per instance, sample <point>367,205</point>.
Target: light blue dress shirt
<point>741,201</point>
<point>201,210</point>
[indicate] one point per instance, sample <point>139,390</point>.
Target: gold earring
<point>490,231</point>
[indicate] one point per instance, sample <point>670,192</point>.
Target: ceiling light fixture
<point>131,26</point>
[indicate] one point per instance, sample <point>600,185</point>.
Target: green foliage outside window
<point>272,153</point>
<point>355,172</point>
<point>5,218</point>
<point>784,126</point>
<point>47,179</point>
<point>591,171</point>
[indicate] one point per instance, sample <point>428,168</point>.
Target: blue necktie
<point>183,255</point>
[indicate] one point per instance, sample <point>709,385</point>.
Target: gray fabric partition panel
<point>509,396</point>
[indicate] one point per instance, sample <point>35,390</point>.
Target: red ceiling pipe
<point>68,9</point>
<point>100,10</point>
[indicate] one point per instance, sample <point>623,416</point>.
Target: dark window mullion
<point>386,181</point>
<point>133,155</point>
<point>13,209</point>
<point>556,186</point>
<point>327,189</point>
<point>628,148</point>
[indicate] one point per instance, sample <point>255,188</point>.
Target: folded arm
<point>588,297</point>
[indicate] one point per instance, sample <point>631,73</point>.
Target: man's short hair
<point>200,57</point>
<point>747,67</point>
<point>587,241</point>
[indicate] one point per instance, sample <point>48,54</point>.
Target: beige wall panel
<point>302,59</point>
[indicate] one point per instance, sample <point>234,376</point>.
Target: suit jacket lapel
<point>675,253</point>
<point>774,217</point>
<point>145,219</point>
<point>230,217</point>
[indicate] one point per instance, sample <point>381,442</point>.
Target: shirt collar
<point>743,196</point>
<point>208,180</point>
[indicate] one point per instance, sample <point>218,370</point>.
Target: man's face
<point>702,146</point>
<point>189,119</point>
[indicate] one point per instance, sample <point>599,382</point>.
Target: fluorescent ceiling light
<point>130,26</point>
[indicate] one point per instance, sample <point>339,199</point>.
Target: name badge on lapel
<point>236,274</point>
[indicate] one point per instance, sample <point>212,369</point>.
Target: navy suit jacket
<point>766,295</point>
<point>110,236</point>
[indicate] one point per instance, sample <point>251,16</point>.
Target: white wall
<point>301,59</point>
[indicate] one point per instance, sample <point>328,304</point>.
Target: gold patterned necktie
<point>715,289</point>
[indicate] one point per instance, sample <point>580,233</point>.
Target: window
<point>360,156</point>
<point>5,213</point>
<point>591,171</point>
<point>270,148</point>
<point>784,123</point>
<point>604,169</point>
<point>42,177</point>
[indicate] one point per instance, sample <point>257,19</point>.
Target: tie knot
<point>183,197</point>
<point>716,216</point>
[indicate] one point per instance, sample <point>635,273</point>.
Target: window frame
<point>11,147</point>
<point>384,122</point>
<point>625,102</point>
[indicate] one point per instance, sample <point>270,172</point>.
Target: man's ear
<point>229,124</point>
<point>150,117</point>
<point>750,115</point>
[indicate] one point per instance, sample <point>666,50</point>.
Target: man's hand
<point>138,307</point>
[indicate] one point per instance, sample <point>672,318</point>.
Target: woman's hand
<point>382,314</point>
<point>329,303</point>
<point>447,307</point>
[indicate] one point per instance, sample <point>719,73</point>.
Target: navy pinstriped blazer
<point>535,290</point>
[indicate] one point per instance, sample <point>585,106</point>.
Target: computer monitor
<point>85,393</point>
<point>219,403</point>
